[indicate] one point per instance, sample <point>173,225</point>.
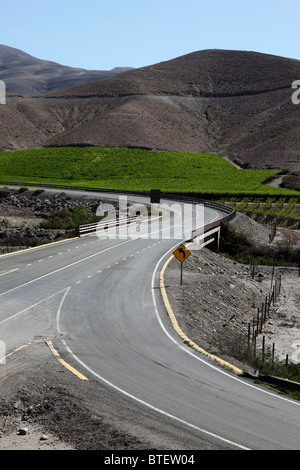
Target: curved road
<point>101,298</point>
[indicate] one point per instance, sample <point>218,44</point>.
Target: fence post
<point>272,274</point>
<point>249,332</point>
<point>279,284</point>
<point>263,349</point>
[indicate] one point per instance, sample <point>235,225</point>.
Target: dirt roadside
<point>45,407</point>
<point>219,298</point>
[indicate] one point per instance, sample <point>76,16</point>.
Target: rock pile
<point>43,204</point>
<point>18,208</point>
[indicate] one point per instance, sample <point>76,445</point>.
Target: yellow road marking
<point>37,247</point>
<point>179,330</point>
<point>55,353</point>
<point>64,363</point>
<point>16,350</point>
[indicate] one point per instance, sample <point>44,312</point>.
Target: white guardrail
<point>98,226</point>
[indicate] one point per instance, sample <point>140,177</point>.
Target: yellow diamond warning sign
<point>181,253</point>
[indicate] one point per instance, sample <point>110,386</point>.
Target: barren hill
<point>209,73</point>
<point>234,103</point>
<point>23,73</point>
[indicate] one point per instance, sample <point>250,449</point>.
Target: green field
<point>135,169</point>
<point>281,210</point>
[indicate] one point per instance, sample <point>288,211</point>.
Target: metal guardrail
<point>231,212</point>
<point>270,379</point>
<point>207,228</point>
<point>177,197</point>
<point>98,227</point>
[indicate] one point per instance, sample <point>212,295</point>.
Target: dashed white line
<point>64,268</point>
<point>8,272</point>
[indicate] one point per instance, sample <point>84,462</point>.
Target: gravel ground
<point>45,407</point>
<point>219,298</point>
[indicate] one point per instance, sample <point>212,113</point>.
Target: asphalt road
<point>99,299</point>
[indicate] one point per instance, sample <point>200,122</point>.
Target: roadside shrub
<point>70,219</point>
<point>236,246</point>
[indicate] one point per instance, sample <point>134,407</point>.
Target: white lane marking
<point>111,384</point>
<point>31,306</point>
<point>65,267</point>
<point>181,346</point>
<point>60,307</point>
<point>9,272</point>
<point>133,397</point>
<point>152,407</point>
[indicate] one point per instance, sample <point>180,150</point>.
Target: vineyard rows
<point>283,211</point>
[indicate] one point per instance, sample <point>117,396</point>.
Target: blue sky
<point>98,34</point>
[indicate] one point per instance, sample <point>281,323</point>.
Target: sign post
<point>155,196</point>
<point>182,254</point>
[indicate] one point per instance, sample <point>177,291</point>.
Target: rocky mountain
<point>23,73</point>
<point>235,103</point>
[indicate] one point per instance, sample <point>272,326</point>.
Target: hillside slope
<point>208,73</point>
<point>234,103</point>
<point>23,73</point>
